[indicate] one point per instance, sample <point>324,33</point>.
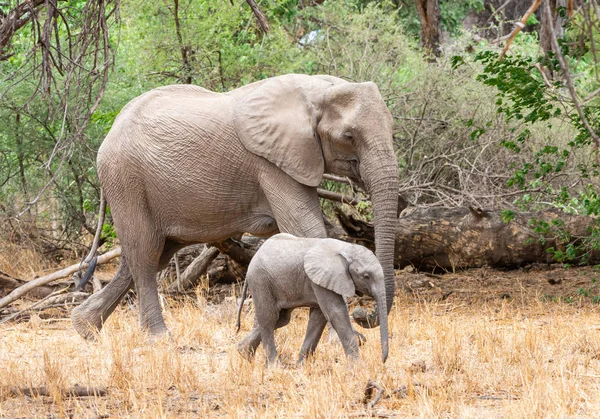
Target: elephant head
<point>348,269</point>
<point>308,125</point>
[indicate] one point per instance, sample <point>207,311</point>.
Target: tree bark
<point>429,16</point>
<point>546,25</point>
<point>467,238</point>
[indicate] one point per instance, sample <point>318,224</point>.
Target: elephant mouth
<point>352,169</point>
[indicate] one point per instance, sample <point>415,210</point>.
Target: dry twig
<point>371,386</point>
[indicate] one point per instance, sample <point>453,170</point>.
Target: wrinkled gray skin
<point>289,272</point>
<point>183,165</point>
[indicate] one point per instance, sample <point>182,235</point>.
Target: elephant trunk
<point>383,324</point>
<point>379,171</point>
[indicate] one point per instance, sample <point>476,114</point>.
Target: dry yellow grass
<point>505,359</point>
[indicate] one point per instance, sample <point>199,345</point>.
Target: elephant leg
<point>267,337</point>
<point>295,206</point>
<point>150,315</point>
<point>247,347</point>
<point>336,312</point>
<point>332,335</point>
<point>89,317</point>
<point>314,330</point>
<point>267,316</point>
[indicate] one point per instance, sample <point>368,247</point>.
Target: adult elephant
<point>184,165</point>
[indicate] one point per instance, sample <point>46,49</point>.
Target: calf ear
<point>327,267</point>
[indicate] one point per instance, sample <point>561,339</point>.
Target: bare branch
<point>520,25</point>
<point>498,10</point>
<point>567,78</point>
<point>591,96</point>
<point>260,17</point>
<point>338,197</point>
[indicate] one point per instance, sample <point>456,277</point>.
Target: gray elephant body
<point>185,165</point>
<point>289,272</point>
<point>150,154</point>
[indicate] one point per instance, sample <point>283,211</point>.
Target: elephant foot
<point>333,336</point>
<point>279,364</point>
<point>86,321</point>
<point>162,336</point>
<point>248,346</point>
<point>302,358</point>
<point>246,351</point>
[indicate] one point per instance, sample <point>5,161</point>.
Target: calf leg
<point>247,347</point>
<point>314,330</point>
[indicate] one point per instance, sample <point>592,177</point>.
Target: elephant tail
<point>91,257</point>
<point>241,306</point>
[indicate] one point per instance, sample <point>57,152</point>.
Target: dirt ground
<point>484,285</point>
<point>477,343</point>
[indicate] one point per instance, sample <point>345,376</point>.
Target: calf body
<point>289,272</point>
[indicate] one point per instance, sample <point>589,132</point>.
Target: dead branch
<point>46,279</point>
<point>371,386</point>
<point>567,77</point>
<point>338,197</point>
<point>9,283</point>
<point>15,20</point>
<point>520,25</point>
<point>260,17</point>
<point>235,251</point>
<point>75,391</point>
<point>195,270</point>
<point>456,238</point>
<point>498,10</point>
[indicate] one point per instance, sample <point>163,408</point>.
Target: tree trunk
<point>467,238</point>
<point>429,16</point>
<point>557,23</point>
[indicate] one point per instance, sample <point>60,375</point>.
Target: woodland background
<point>496,133</point>
<point>511,135</point>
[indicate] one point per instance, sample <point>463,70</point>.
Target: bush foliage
<point>470,129</point>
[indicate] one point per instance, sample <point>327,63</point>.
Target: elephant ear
<point>277,121</point>
<point>327,267</point>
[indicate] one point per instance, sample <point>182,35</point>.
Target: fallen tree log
<point>425,238</point>
<point>468,238</point>
<point>46,279</point>
<point>9,283</point>
<point>195,270</point>
<point>237,255</point>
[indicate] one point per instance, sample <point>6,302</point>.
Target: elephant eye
<point>348,135</point>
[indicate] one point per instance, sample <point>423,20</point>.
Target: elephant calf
<point>289,272</point>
